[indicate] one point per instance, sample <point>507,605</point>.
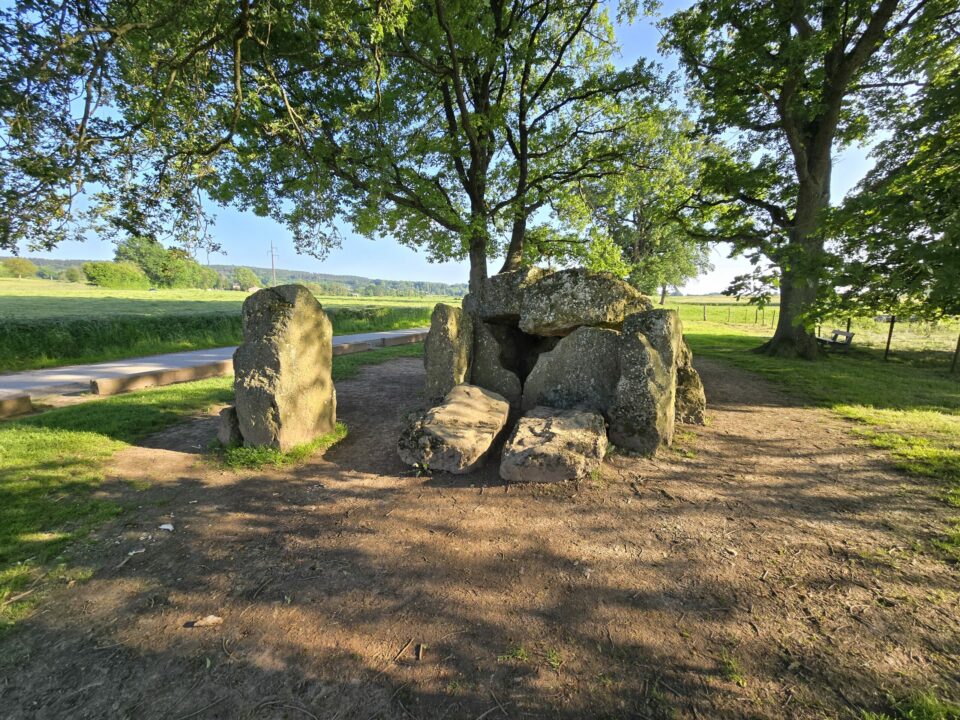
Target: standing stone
<point>551,445</point>
<point>491,343</point>
<point>283,386</point>
<point>580,372</point>
<point>456,435</point>
<point>691,398</point>
<point>229,431</point>
<point>557,304</point>
<point>643,414</point>
<point>446,352</point>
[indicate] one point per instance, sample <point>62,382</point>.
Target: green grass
<point>910,409</point>
<point>255,458</point>
<point>51,465</point>
<point>32,299</point>
<point>46,324</point>
<point>926,706</point>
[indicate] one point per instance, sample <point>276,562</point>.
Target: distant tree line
<point>141,263</point>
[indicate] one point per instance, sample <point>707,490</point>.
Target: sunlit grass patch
<point>240,457</point>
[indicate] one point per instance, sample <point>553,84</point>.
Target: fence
<point>923,341</point>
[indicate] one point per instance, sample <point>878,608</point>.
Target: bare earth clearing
<point>765,568</point>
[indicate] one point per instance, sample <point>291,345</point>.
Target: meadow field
<point>45,323</point>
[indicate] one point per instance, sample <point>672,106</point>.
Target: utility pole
<point>273,262</point>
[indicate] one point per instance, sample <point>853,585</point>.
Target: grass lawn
<point>910,408</point>
<point>47,324</point>
<point>51,463</point>
<point>33,299</point>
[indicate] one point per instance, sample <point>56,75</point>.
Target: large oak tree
<point>791,81</point>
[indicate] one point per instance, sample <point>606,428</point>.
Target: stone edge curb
<point>13,405</point>
<point>157,378</point>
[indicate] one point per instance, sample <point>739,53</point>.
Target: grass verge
<point>27,344</point>
<point>51,464</point>
<point>926,706</point>
<point>254,458</point>
<point>913,411</point>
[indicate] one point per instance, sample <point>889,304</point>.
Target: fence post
<point>956,354</point>
<point>893,320</point>
<point>704,311</point>
<point>756,314</point>
<point>773,319</point>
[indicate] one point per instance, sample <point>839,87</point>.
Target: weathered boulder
<point>580,372</point>
<point>447,350</point>
<point>664,331</point>
<point>490,369</point>
<point>643,413</point>
<point>551,445</point>
<point>691,399</point>
<point>229,431</point>
<point>501,295</point>
<point>283,386</point>
<point>456,435</point>
<point>559,303</point>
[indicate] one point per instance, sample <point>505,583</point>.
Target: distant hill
<point>331,284</point>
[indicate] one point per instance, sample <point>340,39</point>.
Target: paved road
<point>76,378</point>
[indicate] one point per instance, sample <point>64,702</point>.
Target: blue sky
<point>246,238</point>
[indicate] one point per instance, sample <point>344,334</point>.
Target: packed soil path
<point>769,566</point>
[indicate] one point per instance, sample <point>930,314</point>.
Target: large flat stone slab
<point>456,435</point>
<point>550,445</point>
<point>559,303</point>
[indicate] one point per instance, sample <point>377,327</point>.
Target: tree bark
<point>663,294</point>
<point>478,260</point>
<point>800,269</point>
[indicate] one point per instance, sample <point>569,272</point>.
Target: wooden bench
<point>839,340</point>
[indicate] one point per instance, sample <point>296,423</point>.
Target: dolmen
<point>560,364</point>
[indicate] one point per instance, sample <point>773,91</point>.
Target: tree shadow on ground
<point>742,582</point>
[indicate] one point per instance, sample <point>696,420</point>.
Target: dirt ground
<point>766,567</point>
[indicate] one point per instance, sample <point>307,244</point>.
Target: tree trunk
<point>800,269</point>
<point>514,257</point>
<point>663,294</point>
<point>478,260</point>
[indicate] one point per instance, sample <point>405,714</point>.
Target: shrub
<point>122,275</point>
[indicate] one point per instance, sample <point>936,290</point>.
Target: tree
<point>245,278</point>
<point>793,80</point>
<point>73,274</point>
<point>631,221</point>
<point>166,267</point>
<point>20,267</point>
<point>116,275</point>
<point>898,234</point>
<point>451,124</point>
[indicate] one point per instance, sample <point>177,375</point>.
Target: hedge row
<point>26,344</point>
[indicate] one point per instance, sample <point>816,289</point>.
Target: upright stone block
<point>580,372</point>
<point>643,413</point>
<point>283,384</point>
<point>446,351</point>
<point>490,342</point>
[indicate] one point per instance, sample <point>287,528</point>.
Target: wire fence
<point>934,342</point>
